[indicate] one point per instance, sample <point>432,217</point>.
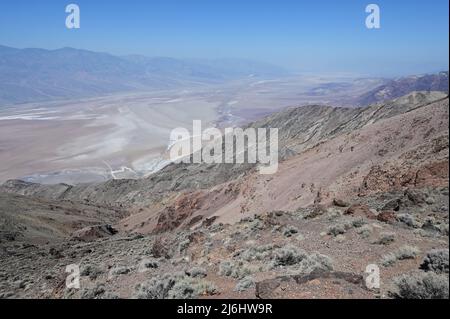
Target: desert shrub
<point>183,245</point>
<point>234,269</point>
<point>207,246</point>
<point>339,238</point>
<point>408,220</point>
<point>148,263</point>
<point>287,256</point>
<point>188,288</point>
<point>196,272</point>
<point>444,229</point>
<point>247,219</point>
<point>404,252</point>
<point>90,270</point>
<point>385,239</point>
<point>256,225</point>
<point>92,293</point>
<point>288,231</point>
<point>365,231</point>
<point>109,295</point>
<point>430,224</point>
<point>120,270</point>
<point>215,228</point>
<point>358,222</point>
<point>256,252</point>
<point>157,287</point>
<point>244,284</point>
<point>315,262</point>
<point>420,286</point>
<point>407,252</point>
<point>388,260</point>
<point>338,229</point>
<point>436,261</point>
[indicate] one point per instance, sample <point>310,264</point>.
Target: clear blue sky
<point>318,35</point>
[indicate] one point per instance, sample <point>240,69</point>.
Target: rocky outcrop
<point>317,285</point>
<point>94,232</point>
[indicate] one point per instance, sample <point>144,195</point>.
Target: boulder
<point>360,211</point>
<point>386,216</point>
<point>340,203</point>
<point>91,233</point>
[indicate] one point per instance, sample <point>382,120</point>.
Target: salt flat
<point>127,135</point>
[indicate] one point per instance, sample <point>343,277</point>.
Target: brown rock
<point>386,216</point>
<point>340,203</point>
<point>316,285</point>
<point>360,210</point>
<point>91,233</point>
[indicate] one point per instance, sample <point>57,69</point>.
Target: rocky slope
<point>354,187</point>
<point>402,86</point>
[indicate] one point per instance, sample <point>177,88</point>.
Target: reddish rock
<point>386,216</point>
<point>340,203</point>
<point>361,211</point>
<point>91,233</point>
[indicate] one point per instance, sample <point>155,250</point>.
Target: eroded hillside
<point>354,187</point>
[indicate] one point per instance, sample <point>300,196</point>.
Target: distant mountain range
<point>402,86</point>
<point>31,75</point>
<point>28,75</point>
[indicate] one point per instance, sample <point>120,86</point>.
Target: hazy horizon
<point>302,37</point>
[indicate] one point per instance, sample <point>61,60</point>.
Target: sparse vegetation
<point>408,220</point>
<point>120,270</point>
<point>385,239</point>
<point>234,269</point>
<point>365,231</point>
<point>188,288</point>
<point>245,284</point>
<point>196,272</point>
<point>288,231</point>
<point>436,261</point>
<point>92,271</point>
<point>157,287</point>
<point>338,229</point>
<point>256,252</point>
<point>315,262</point>
<point>421,286</point>
<point>404,252</point>
<point>287,256</point>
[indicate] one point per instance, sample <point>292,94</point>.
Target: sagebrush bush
<point>385,239</point>
<point>404,252</point>
<point>90,270</point>
<point>315,262</point>
<point>288,231</point>
<point>287,256</point>
<point>149,263</point>
<point>407,252</point>
<point>176,286</point>
<point>120,270</point>
<point>423,285</point>
<point>244,284</point>
<point>157,287</point>
<point>358,222</point>
<point>338,229</point>
<point>93,293</point>
<point>188,288</point>
<point>408,220</point>
<point>238,269</point>
<point>436,261</point>
<point>183,245</point>
<point>365,231</point>
<point>256,252</point>
<point>196,272</point>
